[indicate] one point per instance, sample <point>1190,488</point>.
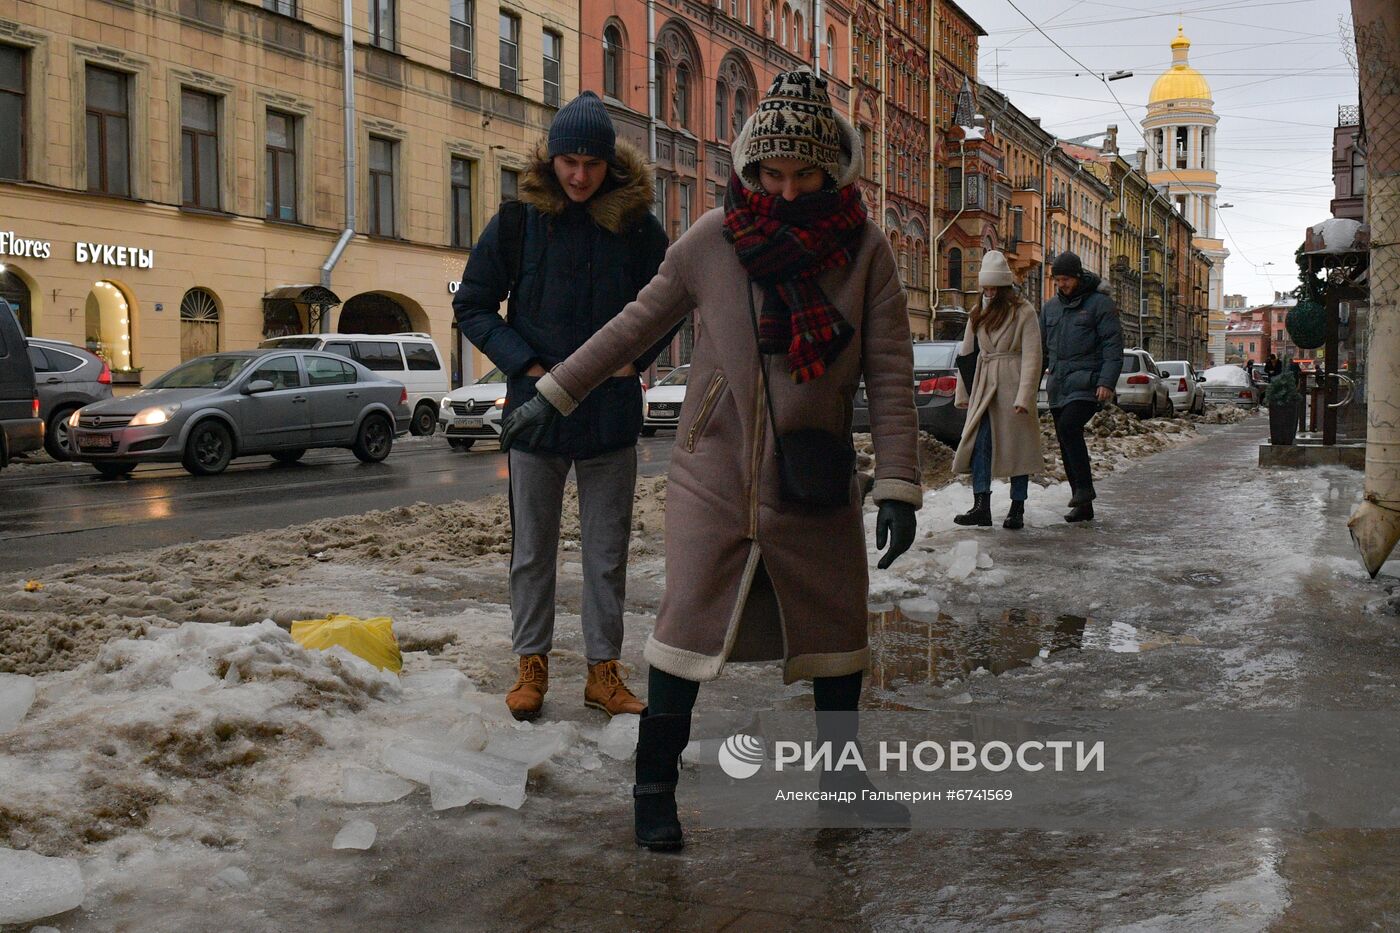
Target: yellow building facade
<point>181,179</point>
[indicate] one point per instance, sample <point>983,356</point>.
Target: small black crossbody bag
<point>814,466</point>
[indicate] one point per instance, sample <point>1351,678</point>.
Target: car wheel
<point>289,456</point>
<point>461,443</point>
<point>113,470</point>
<point>209,449</point>
<point>56,435</point>
<point>424,420</point>
<point>374,440</point>
<point>648,432</point>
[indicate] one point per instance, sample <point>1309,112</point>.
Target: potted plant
<point>1282,397</point>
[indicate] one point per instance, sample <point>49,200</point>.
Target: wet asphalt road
<point>56,513</point>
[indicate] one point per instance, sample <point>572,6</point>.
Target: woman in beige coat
<point>1002,434</point>
<point>789,267</point>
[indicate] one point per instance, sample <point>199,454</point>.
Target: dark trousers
<point>669,694</point>
<point>1070,419</point>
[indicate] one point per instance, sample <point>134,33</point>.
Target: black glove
<point>529,422</point>
<point>897,524</point>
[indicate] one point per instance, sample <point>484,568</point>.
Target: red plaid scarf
<point>784,246</point>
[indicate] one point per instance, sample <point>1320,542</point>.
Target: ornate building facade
<point>967,198</point>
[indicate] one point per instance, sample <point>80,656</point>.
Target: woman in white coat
<point>1002,434</point>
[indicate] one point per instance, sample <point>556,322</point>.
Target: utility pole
<point>1375,525</point>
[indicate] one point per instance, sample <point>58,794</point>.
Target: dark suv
<point>68,378</point>
<point>21,428</point>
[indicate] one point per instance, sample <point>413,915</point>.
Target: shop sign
<point>103,254</point>
<point>452,287</point>
<point>12,244</point>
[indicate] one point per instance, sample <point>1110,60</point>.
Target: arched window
<point>955,270</point>
<point>721,105</point>
<point>682,96</point>
<point>787,23</point>
<point>831,51</point>
<point>199,324</point>
<point>771,20</point>
<point>797,33</point>
<point>613,59</point>
<point>748,12</point>
<point>660,97</point>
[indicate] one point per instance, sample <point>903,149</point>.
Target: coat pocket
<point>707,409</point>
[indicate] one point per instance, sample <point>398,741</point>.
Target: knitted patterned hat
<point>793,121</point>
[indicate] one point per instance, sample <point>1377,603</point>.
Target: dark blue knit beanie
<point>583,127</point>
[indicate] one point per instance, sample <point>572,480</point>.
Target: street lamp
<point>1120,75</point>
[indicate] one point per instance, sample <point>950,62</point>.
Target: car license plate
<point>97,441</point>
<point>467,424</point>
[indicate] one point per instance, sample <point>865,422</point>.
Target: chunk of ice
<point>470,733</point>
<point>984,561</point>
<point>233,878</point>
<point>33,886</point>
<point>192,680</point>
<point>471,775</point>
<point>438,682</point>
<point>618,739</point>
<point>356,834</point>
<point>532,747</point>
<point>960,560</point>
<point>16,696</point>
<point>362,785</point>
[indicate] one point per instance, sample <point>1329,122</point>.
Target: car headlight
<point>73,418</point>
<point>153,416</point>
<point>445,404</point>
<point>646,409</point>
<point>501,402</point>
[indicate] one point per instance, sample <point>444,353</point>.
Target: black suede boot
<point>1016,518</point>
<point>1083,495</point>
<point>840,728</point>
<point>660,740</point>
<point>1081,513</point>
<point>981,513</point>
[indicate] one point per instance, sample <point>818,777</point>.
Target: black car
<point>21,428</point>
<point>935,384</point>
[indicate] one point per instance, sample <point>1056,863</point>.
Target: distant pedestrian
<point>1084,355</point>
<point>576,248</point>
<point>1001,436</point>
<point>1273,366</point>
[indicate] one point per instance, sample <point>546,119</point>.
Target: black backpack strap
<point>513,239</point>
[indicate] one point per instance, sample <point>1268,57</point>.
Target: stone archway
<point>374,313</point>
<point>17,292</point>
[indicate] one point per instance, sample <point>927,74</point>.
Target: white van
<point>413,359</point>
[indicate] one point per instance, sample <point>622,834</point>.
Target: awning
<point>317,295</point>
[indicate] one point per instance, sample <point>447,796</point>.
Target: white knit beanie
<point>995,271</point>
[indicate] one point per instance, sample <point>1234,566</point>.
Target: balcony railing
<point>1349,115</point>
<point>1030,183</point>
<point>1056,202</point>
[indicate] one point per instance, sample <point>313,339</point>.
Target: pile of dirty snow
<point>1223,414</point>
<point>935,458</point>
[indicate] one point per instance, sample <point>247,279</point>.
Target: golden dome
<point>1181,81</point>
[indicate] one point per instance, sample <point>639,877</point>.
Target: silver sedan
<point>213,408</point>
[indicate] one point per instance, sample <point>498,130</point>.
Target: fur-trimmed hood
<point>624,198</point>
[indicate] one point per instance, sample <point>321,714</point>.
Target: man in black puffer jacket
<point>1083,344</point>
<point>571,256</point>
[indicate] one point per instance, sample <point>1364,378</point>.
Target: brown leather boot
<point>606,691</point>
<point>527,696</point>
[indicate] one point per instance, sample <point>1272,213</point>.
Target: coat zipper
<point>707,407</point>
<point>756,465</point>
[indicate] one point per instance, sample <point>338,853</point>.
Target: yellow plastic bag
<point>371,639</point>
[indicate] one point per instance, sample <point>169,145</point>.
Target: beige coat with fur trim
<point>724,517</point>
<point>1008,374</point>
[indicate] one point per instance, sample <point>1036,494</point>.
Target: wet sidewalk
<point>1205,583</point>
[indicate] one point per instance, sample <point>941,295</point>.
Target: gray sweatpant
<point>606,485</point>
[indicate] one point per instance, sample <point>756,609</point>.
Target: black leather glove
<point>529,422</point>
<point>897,524</point>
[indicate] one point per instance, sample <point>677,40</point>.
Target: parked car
<point>412,359</point>
<point>21,428</point>
<point>935,384</point>
<point>1184,386</point>
<point>68,378</point>
<point>213,408</point>
<point>1230,385</point>
<point>473,412</point>
<point>662,408</point>
<point>1143,387</point>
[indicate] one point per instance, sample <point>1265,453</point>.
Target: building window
<point>461,202</point>
<point>658,104</point>
<point>684,197</point>
<point>955,270</point>
<point>1181,145</point>
<point>741,110</point>
<point>108,132</point>
<point>464,37</point>
<point>510,53</point>
<point>797,33</point>
<point>658,204</point>
<point>748,12</point>
<point>1205,147</point>
<point>721,105</point>
<point>682,96</point>
<point>382,15</point>
<point>787,16</point>
<point>199,149</point>
<point>553,74</point>
<point>955,197</point>
<point>831,51</point>
<point>12,87</point>
<point>612,63</point>
<point>1358,174</point>
<point>510,185</point>
<point>381,186</point>
<point>199,324</point>
<point>281,201</point>
<point>285,7</point>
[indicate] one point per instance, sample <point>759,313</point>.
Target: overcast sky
<point>1277,72</point>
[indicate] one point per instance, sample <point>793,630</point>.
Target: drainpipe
<point>817,38</point>
<point>347,14</point>
<point>1045,217</point>
<point>651,80</point>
